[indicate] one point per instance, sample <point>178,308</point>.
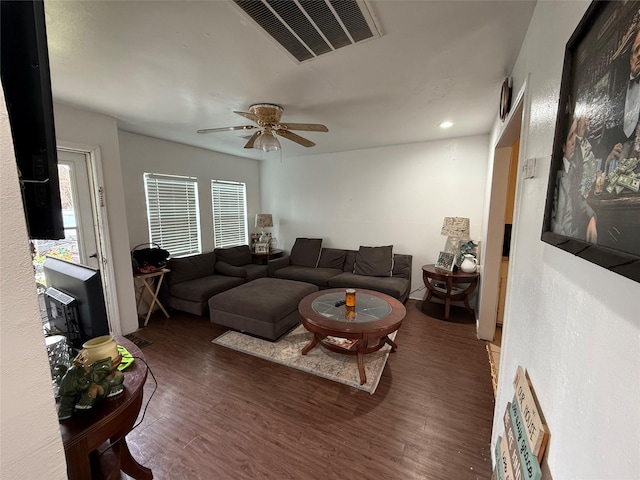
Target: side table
<point>447,292</point>
<point>147,280</point>
<point>263,258</point>
<point>104,429</point>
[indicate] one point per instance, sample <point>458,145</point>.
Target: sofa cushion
<point>332,258</point>
<point>374,261</point>
<point>225,268</point>
<point>202,289</point>
<point>317,276</point>
<point>397,287</point>
<point>401,265</point>
<point>350,261</point>
<point>254,271</point>
<point>190,268</point>
<point>236,256</point>
<point>306,251</point>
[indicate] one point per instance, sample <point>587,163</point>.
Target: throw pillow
<point>230,270</point>
<point>332,258</point>
<point>306,251</point>
<point>374,261</point>
<point>236,256</point>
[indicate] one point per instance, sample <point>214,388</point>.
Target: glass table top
<point>369,308</point>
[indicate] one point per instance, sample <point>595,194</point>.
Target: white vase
<point>469,264</point>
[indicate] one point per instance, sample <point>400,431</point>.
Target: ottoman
<point>266,307</point>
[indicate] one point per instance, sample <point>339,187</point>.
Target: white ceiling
<point>168,68</point>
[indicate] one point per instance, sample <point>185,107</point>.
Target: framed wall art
<point>446,261</point>
<point>593,197</point>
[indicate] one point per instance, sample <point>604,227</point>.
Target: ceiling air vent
<point>310,28</point>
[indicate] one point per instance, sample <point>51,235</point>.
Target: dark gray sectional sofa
<point>193,280</point>
<point>336,268</point>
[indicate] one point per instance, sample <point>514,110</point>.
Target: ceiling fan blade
<point>252,140</point>
<point>309,127</point>
<point>248,115</point>
<point>227,129</point>
<point>295,138</point>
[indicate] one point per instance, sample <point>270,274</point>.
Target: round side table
<point>449,286</point>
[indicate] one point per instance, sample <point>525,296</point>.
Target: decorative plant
<point>468,248</point>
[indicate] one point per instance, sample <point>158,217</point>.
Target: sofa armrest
<point>229,270</point>
<point>278,263</point>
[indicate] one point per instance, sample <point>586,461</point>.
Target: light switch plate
<point>529,168</point>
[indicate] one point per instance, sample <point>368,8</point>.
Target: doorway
<point>84,219</point>
<point>501,211</point>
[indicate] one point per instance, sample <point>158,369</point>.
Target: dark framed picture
<point>593,197</point>
<point>446,261</point>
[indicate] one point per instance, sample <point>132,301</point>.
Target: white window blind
<point>173,213</point>
<point>229,213</point>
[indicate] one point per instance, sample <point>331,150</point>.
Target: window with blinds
<point>229,213</point>
<point>173,213</point>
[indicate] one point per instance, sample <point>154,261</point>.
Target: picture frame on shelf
<point>592,207</point>
<point>446,261</point>
<point>262,248</point>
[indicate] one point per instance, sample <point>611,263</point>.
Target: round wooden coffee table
<point>357,331</point>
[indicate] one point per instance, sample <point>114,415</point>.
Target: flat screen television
<point>83,283</point>
<point>26,81</point>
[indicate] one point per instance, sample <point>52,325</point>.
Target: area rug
<point>319,361</point>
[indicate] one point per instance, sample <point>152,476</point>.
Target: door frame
<point>513,127</point>
<point>101,227</point>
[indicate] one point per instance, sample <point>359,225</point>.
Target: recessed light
<point>446,124</point>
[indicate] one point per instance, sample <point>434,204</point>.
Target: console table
<point>89,432</point>
<point>454,286</point>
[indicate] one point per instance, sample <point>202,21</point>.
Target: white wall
<point>30,442</point>
<point>394,195</point>
<point>573,325</point>
<point>75,126</point>
<point>141,154</point>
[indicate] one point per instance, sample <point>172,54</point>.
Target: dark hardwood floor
<point>221,414</point>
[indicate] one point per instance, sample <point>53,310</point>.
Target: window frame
<point>158,188</point>
<point>225,235</point>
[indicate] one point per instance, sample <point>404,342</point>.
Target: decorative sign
<point>528,462</point>
<point>519,451</point>
<point>512,445</point>
<point>536,431</point>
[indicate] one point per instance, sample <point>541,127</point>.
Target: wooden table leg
<point>363,374</point>
<point>310,345</point>
<point>129,465</point>
<point>154,298</point>
<point>394,345</point>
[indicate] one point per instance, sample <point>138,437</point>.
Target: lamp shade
<point>457,227</point>
<point>267,142</point>
<point>264,220</point>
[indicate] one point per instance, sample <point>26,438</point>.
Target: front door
<point>79,244</point>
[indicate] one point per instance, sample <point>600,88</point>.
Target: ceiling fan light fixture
<point>267,142</point>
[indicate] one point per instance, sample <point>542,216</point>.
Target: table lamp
<point>455,228</point>
<point>263,220</point>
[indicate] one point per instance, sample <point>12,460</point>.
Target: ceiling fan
<point>267,116</point>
